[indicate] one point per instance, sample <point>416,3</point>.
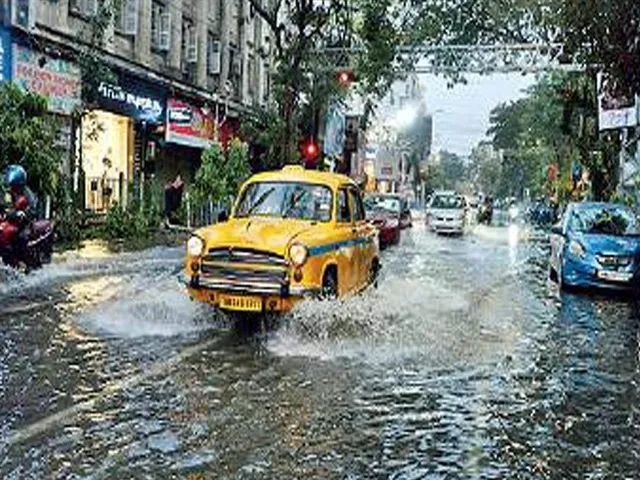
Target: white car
<point>447,213</point>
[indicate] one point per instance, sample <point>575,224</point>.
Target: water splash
<point>138,307</point>
<point>74,265</point>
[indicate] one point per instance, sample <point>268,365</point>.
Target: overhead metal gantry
<point>483,59</point>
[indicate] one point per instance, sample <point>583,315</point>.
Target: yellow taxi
<point>292,234</point>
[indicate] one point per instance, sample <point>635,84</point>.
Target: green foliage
<point>221,173</point>
<point>264,131</point>
<point>68,213</point>
<point>139,219</point>
<point>555,124</point>
<point>28,136</point>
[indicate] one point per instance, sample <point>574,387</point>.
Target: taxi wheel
<point>330,284</point>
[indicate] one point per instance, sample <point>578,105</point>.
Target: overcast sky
<point>461,114</point>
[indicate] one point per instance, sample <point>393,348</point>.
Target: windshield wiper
<point>258,202</point>
<point>294,203</point>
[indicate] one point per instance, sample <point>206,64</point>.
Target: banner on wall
<point>189,125</point>
<point>55,78</point>
<point>5,55</point>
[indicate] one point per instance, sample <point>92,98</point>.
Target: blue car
<point>596,245</point>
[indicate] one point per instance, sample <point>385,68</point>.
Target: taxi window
<point>344,213</point>
<point>358,207</point>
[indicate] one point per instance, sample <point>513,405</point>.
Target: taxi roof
<point>297,173</point>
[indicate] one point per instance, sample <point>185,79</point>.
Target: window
<point>88,8</point>
<point>126,17</point>
<point>358,208</point>
<point>188,43</point>
<point>160,26</point>
<point>344,213</point>
<point>213,54</point>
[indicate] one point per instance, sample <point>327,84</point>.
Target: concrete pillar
<point>225,23</point>
<point>243,14</point>
<point>202,21</point>
<point>175,53</point>
<point>143,37</point>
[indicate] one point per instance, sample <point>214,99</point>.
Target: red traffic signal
<point>310,150</point>
<point>345,78</point>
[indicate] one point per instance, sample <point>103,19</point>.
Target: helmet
<point>16,176</point>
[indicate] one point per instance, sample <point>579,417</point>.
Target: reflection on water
<point>459,365</point>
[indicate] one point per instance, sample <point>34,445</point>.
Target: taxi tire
<point>330,284</point>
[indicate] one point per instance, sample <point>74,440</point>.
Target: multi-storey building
<point>184,72</point>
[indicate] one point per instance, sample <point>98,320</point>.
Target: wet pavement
<point>464,363</point>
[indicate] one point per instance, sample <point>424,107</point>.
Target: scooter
<point>38,249</point>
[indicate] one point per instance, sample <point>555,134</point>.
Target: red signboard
<point>189,125</point>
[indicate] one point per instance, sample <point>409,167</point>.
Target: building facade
<point>185,72</point>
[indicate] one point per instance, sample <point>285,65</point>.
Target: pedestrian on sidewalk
<point>173,199</point>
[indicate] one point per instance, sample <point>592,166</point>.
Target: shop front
<point>189,130</point>
<point>120,139</point>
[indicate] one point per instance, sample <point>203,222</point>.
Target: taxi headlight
<point>195,246</point>
<point>298,254</point>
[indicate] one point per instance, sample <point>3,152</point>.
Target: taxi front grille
<point>229,273</point>
<point>244,256</point>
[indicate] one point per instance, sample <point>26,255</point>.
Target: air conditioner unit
<point>214,58</point>
<point>164,37</point>
<point>130,17</point>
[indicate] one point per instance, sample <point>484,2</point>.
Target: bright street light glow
<point>406,116</point>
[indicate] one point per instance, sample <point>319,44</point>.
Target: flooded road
<point>464,363</point>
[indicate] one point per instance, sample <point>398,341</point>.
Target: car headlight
<point>577,249</point>
<point>195,246</point>
<point>298,254</point>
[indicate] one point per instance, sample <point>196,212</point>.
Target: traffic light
<point>345,77</point>
<point>310,150</point>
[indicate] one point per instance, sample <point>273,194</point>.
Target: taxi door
<point>345,254</point>
<point>362,234</point>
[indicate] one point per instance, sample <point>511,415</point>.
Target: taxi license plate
<point>241,303</point>
<point>615,276</point>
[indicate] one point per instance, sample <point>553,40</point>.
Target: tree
<point>28,137</point>
<point>221,173</point>
<point>555,124</point>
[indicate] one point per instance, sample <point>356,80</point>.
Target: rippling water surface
<point>464,363</point>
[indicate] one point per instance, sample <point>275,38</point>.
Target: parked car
<point>385,213</point>
<point>447,213</point>
<point>596,245</point>
<point>292,234</point>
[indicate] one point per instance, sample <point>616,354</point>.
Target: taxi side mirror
<point>223,216</point>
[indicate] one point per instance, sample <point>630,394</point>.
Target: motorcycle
<point>38,249</point>
<point>485,213</point>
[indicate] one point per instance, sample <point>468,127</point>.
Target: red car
<point>385,212</point>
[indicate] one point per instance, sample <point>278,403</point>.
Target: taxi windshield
<point>302,201</point>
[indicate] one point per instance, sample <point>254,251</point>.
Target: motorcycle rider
<point>21,203</point>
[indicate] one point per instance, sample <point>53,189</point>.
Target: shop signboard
<point>55,78</point>
<point>189,125</point>
<point>385,164</point>
<point>5,54</point>
<point>615,111</point>
<point>134,97</point>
